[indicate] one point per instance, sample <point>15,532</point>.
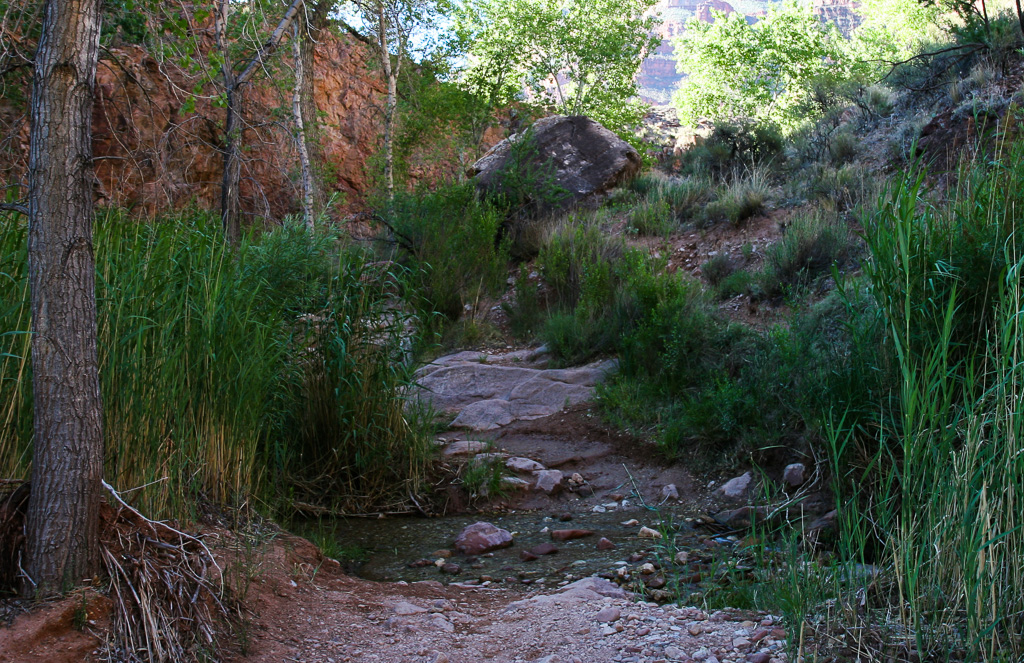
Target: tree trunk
<point>315,22</point>
<point>233,127</point>
<point>392,101</point>
<point>62,523</point>
<point>229,205</point>
<point>300,130</point>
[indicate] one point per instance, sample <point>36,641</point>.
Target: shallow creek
<point>404,548</point>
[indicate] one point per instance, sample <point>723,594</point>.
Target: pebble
<point>648,533</point>
<point>605,544</point>
<point>609,614</point>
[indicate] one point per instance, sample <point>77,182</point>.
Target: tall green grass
<point>937,500</point>
<point>268,371</point>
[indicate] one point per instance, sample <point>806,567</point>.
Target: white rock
<point>793,475</point>
<point>648,533</point>
<point>738,487</point>
<point>670,492</point>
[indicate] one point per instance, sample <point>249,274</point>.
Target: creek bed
<point>390,547</point>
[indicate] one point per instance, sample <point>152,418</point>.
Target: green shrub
<point>843,148</point>
<point>573,250</point>
<point>449,242</point>
<point>737,283</point>
<point>718,268</point>
<point>733,146</point>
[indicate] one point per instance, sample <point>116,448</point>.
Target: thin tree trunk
<point>300,130</point>
<point>392,101</point>
<point>315,22</point>
<point>62,523</point>
<point>233,125</point>
<point>1020,17</point>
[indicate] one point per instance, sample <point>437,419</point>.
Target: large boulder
<point>577,157</point>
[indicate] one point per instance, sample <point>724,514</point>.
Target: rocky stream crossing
<point>571,565</point>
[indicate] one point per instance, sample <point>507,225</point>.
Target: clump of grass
<point>843,148</point>
<point>812,244</point>
<point>739,201</point>
<point>652,217</point>
<point>686,196</point>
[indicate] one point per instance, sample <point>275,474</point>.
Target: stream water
<point>393,549</point>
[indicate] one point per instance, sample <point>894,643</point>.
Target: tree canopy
<point>764,71</point>
<point>577,57</point>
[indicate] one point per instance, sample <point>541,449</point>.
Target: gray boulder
<point>577,155</point>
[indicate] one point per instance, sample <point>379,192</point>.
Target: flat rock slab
<point>484,396</point>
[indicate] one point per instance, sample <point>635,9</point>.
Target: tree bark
<point>300,130</point>
<point>62,522</point>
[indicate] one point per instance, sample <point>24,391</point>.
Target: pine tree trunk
<point>62,523</point>
<point>300,130</point>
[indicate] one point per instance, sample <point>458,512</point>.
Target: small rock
<point>793,475</point>
<point>759,657</point>
<point>544,549</point>
<point>656,581</point>
<point>605,544</point>
<point>669,492</point>
<point>525,465</point>
<point>739,643</point>
<point>464,448</point>
<point>570,534</point>
<point>608,630</point>
<point>642,631</point>
<point>528,556</point>
<point>405,608</point>
<point>675,653</point>
<point>515,483</point>
<point>648,533</point>
<point>576,480</point>
<point>598,586</point>
<point>738,487</point>
<point>695,629</point>
<point>646,569</point>
<point>599,509</point>
<point>441,658</point>
<point>608,615</point>
<point>633,522</point>
<point>548,481</point>
<point>451,569</point>
<point>482,537</point>
<point>701,654</point>
<point>682,557</point>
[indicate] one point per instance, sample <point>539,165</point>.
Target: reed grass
<point>270,371</point>
<point>937,500</point>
